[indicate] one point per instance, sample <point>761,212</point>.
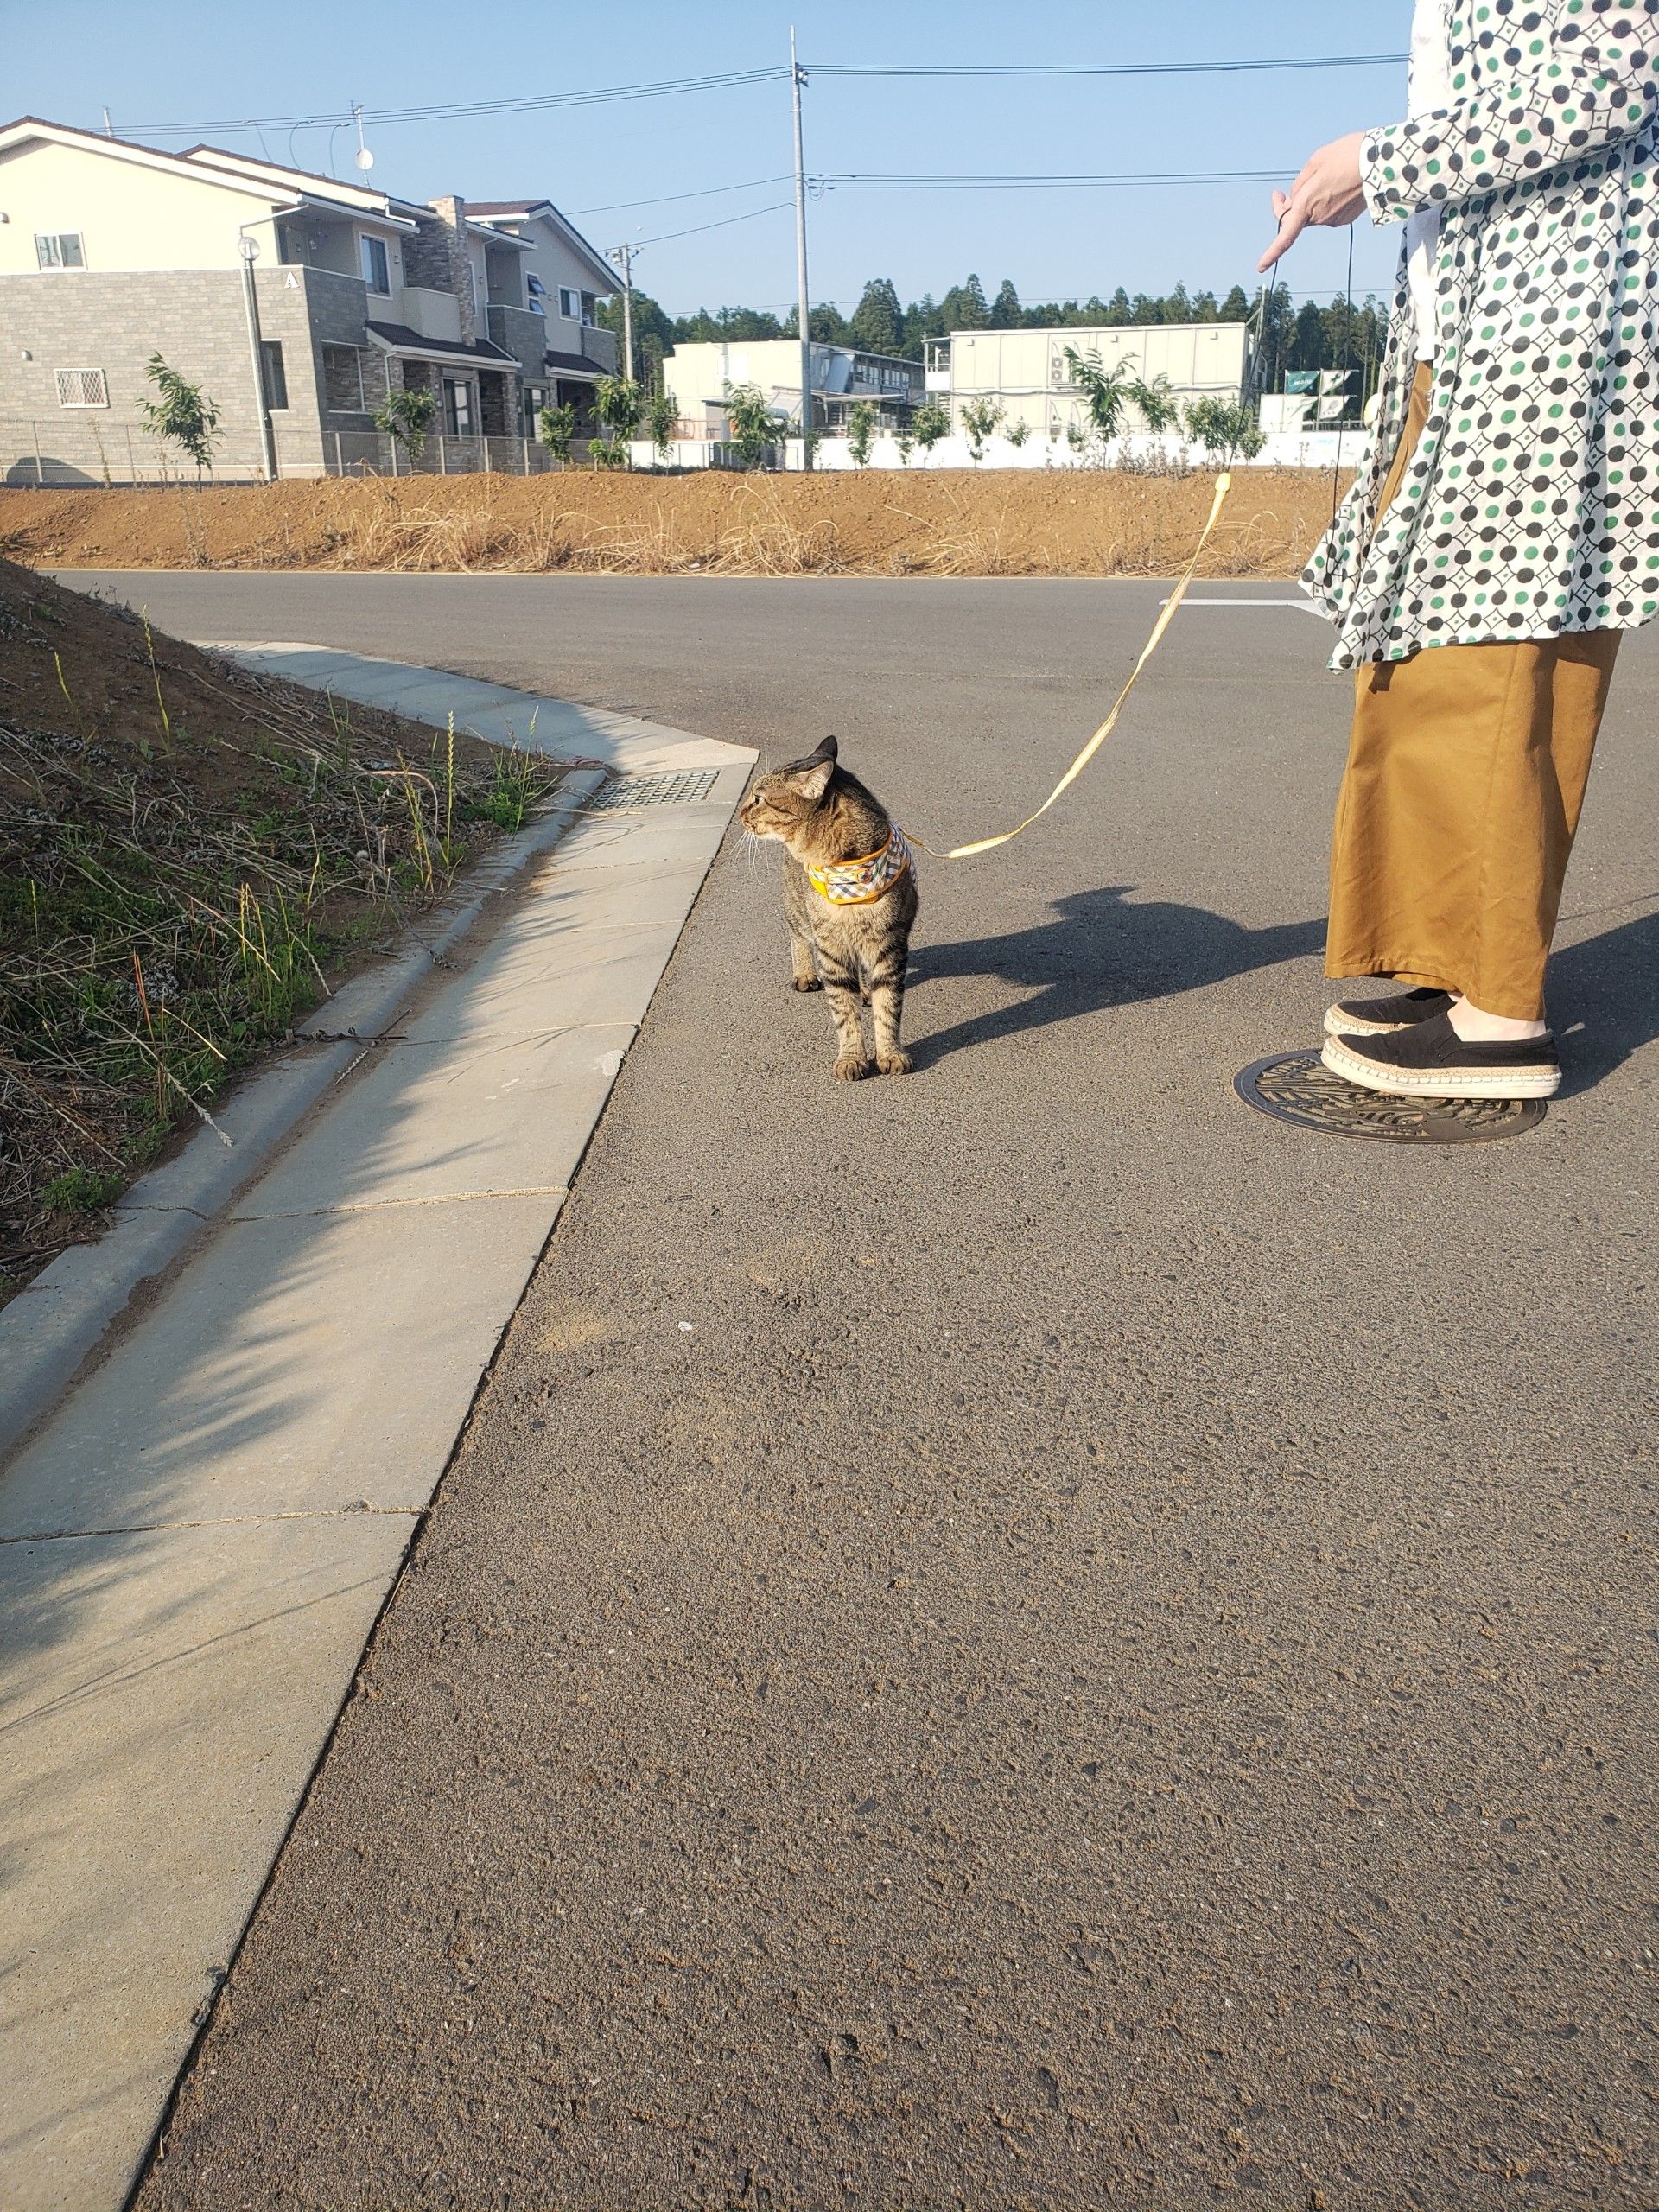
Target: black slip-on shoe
<point>1430,1060</point>
<point>1381,1017</point>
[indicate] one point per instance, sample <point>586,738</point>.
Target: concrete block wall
<point>196,318</point>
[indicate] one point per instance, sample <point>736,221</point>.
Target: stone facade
<point>427,262</point>
<point>451,213</point>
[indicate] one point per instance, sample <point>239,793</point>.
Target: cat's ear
<point>828,751</point>
<point>812,782</point>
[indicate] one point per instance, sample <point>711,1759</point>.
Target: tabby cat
<point>849,899</point>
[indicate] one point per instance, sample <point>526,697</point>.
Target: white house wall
<point>1026,371</point>
<point>129,216</point>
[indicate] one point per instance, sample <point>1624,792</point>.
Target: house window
<point>82,388</point>
<point>59,250</point>
<point>570,304</point>
<point>342,377</point>
<point>376,271</point>
<point>458,406</point>
<point>270,354</point>
<point>538,292</point>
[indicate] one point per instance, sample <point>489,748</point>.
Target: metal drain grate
<point>629,792</point>
<point>1298,1087</point>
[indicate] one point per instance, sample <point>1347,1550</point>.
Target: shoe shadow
<point>1100,951</point>
<point>1607,983</point>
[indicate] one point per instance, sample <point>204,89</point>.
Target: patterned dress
<point>1531,506</point>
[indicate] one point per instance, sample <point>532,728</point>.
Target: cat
<point>849,899</point>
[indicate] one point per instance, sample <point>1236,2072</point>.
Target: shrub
<point>558,426</point>
<point>406,416</point>
<point>1225,428</point>
<point>979,419</point>
<point>754,427</point>
<point>932,423</point>
<point>183,416</point>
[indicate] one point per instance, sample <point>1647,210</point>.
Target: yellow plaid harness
<point>862,882</point>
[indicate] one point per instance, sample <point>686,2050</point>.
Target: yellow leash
<point>1167,615</point>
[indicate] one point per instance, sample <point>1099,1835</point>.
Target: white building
<point>1027,372</point>
<point>698,377</point>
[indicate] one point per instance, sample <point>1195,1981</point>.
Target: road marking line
<point>1296,606</point>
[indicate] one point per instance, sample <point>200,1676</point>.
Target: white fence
<point>1321,449</point>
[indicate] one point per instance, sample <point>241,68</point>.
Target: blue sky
<point>210,61</point>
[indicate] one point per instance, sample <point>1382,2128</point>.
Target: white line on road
<point>1296,606</point>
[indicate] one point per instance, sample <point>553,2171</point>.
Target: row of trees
<point>1340,336</point>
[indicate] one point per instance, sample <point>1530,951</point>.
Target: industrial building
<point>1027,371</point>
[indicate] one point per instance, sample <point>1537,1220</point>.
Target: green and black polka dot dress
<point>1531,506</point>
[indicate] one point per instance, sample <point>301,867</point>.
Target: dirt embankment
<point>1071,523</point>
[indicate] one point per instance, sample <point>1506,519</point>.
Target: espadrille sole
<point>1541,1081</point>
<point>1339,1024</point>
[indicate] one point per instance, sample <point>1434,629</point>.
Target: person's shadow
<point>1099,952</point>
<point>1607,983</point>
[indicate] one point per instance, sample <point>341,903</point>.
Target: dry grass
<point>915,522</point>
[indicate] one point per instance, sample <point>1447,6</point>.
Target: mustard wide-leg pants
<point>1466,773</point>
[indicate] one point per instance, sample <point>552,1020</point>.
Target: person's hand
<point>1329,194</point>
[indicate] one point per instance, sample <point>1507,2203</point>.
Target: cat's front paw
<point>808,983</point>
<point>895,1063</point>
<point>849,1069</point>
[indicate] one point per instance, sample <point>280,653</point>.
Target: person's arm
<point>1555,108</point>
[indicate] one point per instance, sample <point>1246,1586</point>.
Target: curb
<point>77,1307</point>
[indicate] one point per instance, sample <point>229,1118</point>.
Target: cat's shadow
<point>1097,950</point>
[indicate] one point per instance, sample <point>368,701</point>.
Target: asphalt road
<point>1022,1637</point>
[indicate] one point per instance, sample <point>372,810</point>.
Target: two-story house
<point>564,281</point>
<point>296,301</point>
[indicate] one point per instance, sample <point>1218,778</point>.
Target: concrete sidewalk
<point>194,1550</point>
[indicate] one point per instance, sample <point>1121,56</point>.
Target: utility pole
<point>623,257</point>
<point>797,78</point>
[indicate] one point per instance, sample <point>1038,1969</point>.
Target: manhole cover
<point>629,792</point>
<point>1298,1087</point>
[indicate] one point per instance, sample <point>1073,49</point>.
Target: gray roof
<point>403,340</point>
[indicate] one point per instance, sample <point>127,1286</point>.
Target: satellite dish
<point>363,159</point>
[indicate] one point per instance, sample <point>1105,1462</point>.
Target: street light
<point>249,249</point>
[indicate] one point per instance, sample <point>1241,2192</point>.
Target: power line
<point>724,223</point>
<point>434,111</point>
<point>1105,68</point>
<point>710,192</point>
<point>860,180</point>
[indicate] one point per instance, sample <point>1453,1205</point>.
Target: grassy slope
<point>189,856</point>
